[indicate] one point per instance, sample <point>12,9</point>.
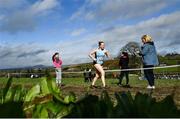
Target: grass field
<point>134,82</point>
<point>164,87</point>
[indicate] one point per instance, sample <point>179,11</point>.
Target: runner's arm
<point>91,55</point>
<point>108,55</point>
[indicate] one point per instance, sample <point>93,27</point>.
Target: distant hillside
<point>135,62</point>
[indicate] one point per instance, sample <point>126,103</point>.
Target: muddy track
<point>158,93</point>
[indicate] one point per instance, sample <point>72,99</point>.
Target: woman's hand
<point>94,59</point>
<point>109,56</point>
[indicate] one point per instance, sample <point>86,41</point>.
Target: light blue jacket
<point>149,54</point>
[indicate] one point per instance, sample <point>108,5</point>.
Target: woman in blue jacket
<point>150,59</point>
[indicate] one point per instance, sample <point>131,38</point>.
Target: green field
<point>134,82</point>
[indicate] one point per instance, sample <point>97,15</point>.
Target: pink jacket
<point>57,64</point>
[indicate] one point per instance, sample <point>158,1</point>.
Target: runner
<point>98,56</point>
<point>57,65</point>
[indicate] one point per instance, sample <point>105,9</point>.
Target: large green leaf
<point>15,91</point>
<point>44,87</point>
<point>40,112</point>
<point>20,94</point>
<point>34,91</point>
<point>125,105</point>
<point>11,96</point>
<point>64,110</point>
<point>165,108</point>
<point>106,105</point>
<point>70,98</point>
<point>86,107</point>
<point>6,88</point>
<point>143,103</point>
<point>53,108</point>
<point>54,89</point>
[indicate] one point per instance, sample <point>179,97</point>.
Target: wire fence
<point>111,73</point>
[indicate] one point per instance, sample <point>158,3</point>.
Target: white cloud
<point>164,29</point>
<point>43,6</point>
<point>78,32</point>
<point>25,18</point>
<point>108,10</point>
<point>23,55</point>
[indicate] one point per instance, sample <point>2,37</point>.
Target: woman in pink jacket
<point>57,62</point>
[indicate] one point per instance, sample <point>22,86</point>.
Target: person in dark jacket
<point>87,75</point>
<point>150,59</point>
<point>123,63</point>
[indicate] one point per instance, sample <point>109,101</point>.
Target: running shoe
<point>93,86</point>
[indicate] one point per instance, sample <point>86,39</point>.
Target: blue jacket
<point>149,54</point>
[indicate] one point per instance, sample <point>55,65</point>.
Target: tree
<point>131,48</point>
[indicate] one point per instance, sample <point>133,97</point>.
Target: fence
<point>109,73</point>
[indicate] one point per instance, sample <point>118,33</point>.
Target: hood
<point>150,43</point>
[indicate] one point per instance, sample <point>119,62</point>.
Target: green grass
<point>133,81</point>
<point>169,70</point>
<point>20,81</point>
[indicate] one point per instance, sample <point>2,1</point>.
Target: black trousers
<point>149,75</point>
<point>121,76</point>
<point>87,79</point>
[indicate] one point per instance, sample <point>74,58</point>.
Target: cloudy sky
<point>32,30</point>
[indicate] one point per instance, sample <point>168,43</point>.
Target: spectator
<point>123,63</point>
<point>150,59</point>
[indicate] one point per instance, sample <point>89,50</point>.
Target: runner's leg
<point>96,77</point>
<point>102,73</point>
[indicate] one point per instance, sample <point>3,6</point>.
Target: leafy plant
<point>45,100</point>
<point>11,101</point>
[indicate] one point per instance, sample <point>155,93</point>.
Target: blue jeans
<point>149,74</point>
